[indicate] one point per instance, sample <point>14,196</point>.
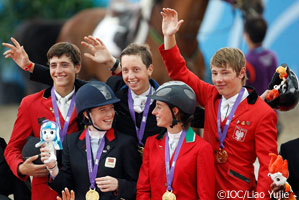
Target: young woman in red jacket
<point>177,164</point>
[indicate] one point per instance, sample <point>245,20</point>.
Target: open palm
<point>170,22</point>
<point>99,52</point>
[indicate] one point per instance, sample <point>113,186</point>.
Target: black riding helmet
<point>176,94</point>
<point>94,94</point>
<point>288,95</point>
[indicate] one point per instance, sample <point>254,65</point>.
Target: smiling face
<point>102,116</point>
<point>163,114</point>
<point>228,71</point>
<point>63,72</point>
<point>226,80</point>
<point>135,73</point>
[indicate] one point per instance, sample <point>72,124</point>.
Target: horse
<point>192,11</point>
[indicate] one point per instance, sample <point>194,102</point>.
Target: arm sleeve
<point>177,70</point>
<point>115,83</point>
<point>282,151</point>
<point>143,183</point>
<point>41,74</point>
<point>265,143</point>
<point>21,130</point>
<point>64,177</point>
<point>131,161</point>
<point>205,173</point>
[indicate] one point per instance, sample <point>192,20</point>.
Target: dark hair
<point>256,28</point>
<point>141,50</point>
<point>181,116</point>
<point>65,48</point>
<point>185,118</point>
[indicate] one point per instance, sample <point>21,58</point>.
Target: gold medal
<point>221,156</point>
<point>141,150</point>
<point>168,195</point>
<point>92,194</point>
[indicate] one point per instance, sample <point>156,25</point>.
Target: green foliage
<point>15,12</point>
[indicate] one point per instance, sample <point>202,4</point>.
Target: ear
<point>175,110</point>
<point>150,70</point>
<point>85,115</point>
<point>246,36</point>
<point>77,68</point>
<point>242,72</point>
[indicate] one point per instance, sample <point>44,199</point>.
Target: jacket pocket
<point>238,176</point>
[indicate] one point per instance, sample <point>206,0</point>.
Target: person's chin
<point>107,127</point>
<point>133,86</point>
<point>221,90</point>
<point>61,83</point>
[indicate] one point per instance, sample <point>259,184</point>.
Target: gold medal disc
<point>168,195</point>
<point>221,156</point>
<point>92,194</point>
<point>140,150</point>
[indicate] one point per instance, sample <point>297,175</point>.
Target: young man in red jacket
<point>239,125</point>
<point>55,103</point>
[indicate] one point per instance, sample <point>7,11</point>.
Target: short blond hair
<point>232,57</point>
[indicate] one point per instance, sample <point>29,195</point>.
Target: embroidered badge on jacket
<point>110,162</point>
<point>239,134</point>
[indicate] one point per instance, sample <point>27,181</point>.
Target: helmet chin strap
<point>91,123</point>
<point>174,120</point>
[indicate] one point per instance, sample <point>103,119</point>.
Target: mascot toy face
<point>278,178</point>
<point>49,133</point>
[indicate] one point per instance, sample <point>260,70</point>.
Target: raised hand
<point>107,184</point>
<point>67,195</point>
<point>17,53</point>
<point>170,22</point>
<point>99,52</point>
<point>28,168</point>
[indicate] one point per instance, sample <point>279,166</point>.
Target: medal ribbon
<point>92,171</point>
<point>139,131</point>
<point>62,132</point>
<point>221,134</point>
<point>170,170</point>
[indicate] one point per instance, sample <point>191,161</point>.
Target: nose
<point>111,112</point>
<point>154,112</point>
<point>130,75</point>
<point>59,68</point>
<point>218,78</point>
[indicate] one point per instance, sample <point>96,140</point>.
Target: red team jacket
<point>193,174</point>
<point>33,109</point>
<point>252,133</point>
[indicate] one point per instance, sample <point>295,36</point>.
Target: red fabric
<point>32,108</point>
<point>251,72</point>
<point>109,135</point>
<point>258,121</point>
<point>193,175</point>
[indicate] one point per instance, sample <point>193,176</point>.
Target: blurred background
<point>222,26</point>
